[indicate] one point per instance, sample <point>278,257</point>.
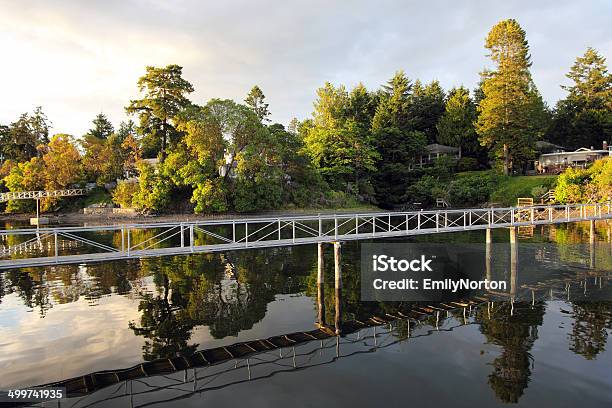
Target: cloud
<point>78,58</point>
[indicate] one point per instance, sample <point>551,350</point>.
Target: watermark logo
<point>423,272</point>
<point>383,263</point>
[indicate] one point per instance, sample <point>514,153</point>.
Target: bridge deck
<point>113,242</point>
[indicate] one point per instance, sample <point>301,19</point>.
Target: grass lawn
<point>97,196</point>
<point>508,189</point>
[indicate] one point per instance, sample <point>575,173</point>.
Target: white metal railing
<point>108,242</point>
<point>28,195</point>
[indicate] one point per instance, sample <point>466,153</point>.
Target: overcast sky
<point>79,58</point>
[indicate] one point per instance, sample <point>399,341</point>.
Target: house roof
<point>582,150</point>
<point>438,148</point>
<point>547,147</point>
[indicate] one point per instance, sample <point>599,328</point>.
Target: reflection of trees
<point>31,286</point>
<point>515,335</point>
<point>589,329</point>
<point>165,331</point>
<point>227,294</point>
<point>42,287</point>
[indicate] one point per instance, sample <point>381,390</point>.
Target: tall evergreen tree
<point>256,100</point>
<point>456,126</point>
<point>396,140</point>
<point>102,127</point>
<point>584,117</point>
<point>512,110</point>
<point>426,108</point>
<point>164,97</point>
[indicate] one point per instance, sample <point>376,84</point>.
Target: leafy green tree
<point>62,165</point>
<point>153,193</point>
<point>456,125</point>
<point>20,140</point>
<point>164,97</point>
<point>339,142</point>
<point>256,100</point>
<point>511,112</point>
<point>25,176</point>
<point>584,117</point>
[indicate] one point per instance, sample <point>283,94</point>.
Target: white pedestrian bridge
<point>126,241</point>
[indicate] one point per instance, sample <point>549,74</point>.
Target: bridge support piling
<point>338,285</point>
<point>592,232</point>
<point>513,268</point>
<point>320,286</point>
<point>488,239</point>
<point>488,259</point>
<point>512,235</point>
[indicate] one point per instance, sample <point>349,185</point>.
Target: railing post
<point>234,231</point>
<point>320,226</point>
<point>512,216</point>
<point>437,221</point>
<point>191,237</point>
<point>373,225</point>
<point>122,238</point>
<point>129,241</point>
<point>246,233</point>
<point>550,214</point>
<point>279,229</point>
<point>389,221</point>
<point>182,235</point>
<point>55,243</point>
<point>293,228</point>
<point>419,220</point>
<point>406,222</point>
<point>567,215</point>
<point>335,226</point>
<point>357,224</point>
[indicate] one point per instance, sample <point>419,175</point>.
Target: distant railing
<point>36,195</point>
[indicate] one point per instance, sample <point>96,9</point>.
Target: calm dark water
<point>64,321</point>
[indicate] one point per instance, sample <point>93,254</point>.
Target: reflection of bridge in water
<point>111,242</point>
<point>180,377</point>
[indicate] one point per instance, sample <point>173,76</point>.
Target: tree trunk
<point>162,155</point>
<point>506,160</point>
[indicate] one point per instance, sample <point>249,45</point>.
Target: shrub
<point>586,185</point>
<point>467,164</point>
<point>124,193</point>
<point>472,189</point>
<point>538,191</point>
<point>153,192</point>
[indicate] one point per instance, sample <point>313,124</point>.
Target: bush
<point>472,189</point>
<point>538,191</point>
<point>425,191</point>
<point>467,164</point>
<point>153,192</point>
<point>123,194</point>
<point>586,185</point>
